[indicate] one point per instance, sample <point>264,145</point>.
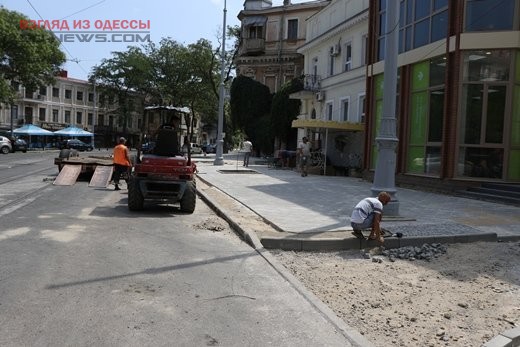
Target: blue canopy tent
<point>33,130</point>
<point>75,132</point>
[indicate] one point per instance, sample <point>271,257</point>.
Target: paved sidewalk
<point>313,212</point>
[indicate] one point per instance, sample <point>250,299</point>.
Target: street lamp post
<point>94,99</point>
<point>386,140</point>
<point>219,159</point>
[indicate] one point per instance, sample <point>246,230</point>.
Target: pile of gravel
<point>425,252</point>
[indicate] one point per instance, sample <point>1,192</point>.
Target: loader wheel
<point>189,198</point>
<point>135,198</point>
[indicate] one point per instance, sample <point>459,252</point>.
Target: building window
<point>361,108</point>
<point>331,61</point>
<point>344,109</point>
<point>364,50</point>
<point>315,79</point>
<point>79,96</point>
<point>79,118</point>
<point>90,118</point>
<point>486,66</point>
<point>348,56</point>
<point>292,29</point>
<point>482,130</point>
<point>29,93</point>
<point>256,32</point>
<point>28,116</point>
<point>270,82</point>
<point>43,91</point>
<point>55,92</point>
<point>68,94</point>
<point>439,26</point>
<point>67,117</point>
<point>490,15</point>
<point>14,111</point>
<point>329,111</point>
<point>91,97</point>
<point>101,120</point>
<point>41,116</point>
<point>420,23</point>
<point>55,116</point>
<point>111,121</point>
<point>426,117</point>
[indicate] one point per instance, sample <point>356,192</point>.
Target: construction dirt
<point>464,297</point>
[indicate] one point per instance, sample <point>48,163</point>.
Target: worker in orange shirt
<point>122,162</point>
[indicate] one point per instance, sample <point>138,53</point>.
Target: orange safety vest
<point>120,155</point>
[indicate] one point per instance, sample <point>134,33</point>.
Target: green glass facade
<point>461,111</point>
<point>425,117</point>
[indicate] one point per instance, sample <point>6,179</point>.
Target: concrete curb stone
<point>509,338</point>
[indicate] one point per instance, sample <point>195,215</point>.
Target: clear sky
<point>183,21</point>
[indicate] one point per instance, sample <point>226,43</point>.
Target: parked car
<point>148,147</point>
<point>5,145</point>
<point>19,145</point>
<point>209,148</point>
<point>76,144</point>
<point>196,148</point>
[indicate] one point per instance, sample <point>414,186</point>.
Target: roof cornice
<point>334,31</point>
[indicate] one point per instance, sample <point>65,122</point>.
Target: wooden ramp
<point>68,175</point>
<point>101,176</point>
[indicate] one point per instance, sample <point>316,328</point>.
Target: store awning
<point>30,129</point>
<point>73,131</point>
<point>254,21</point>
<point>167,108</point>
<point>327,124</point>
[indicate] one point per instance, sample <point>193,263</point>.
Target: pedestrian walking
<point>247,148</point>
<point>304,152</point>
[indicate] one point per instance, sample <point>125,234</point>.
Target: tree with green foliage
<point>250,105</point>
<point>186,76</point>
<point>31,57</point>
<point>122,79</point>
<point>284,110</point>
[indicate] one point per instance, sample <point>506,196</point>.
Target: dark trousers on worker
<point>119,170</point>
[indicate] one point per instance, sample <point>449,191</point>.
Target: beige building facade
<point>270,38</point>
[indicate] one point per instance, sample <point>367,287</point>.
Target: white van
<point>196,148</point>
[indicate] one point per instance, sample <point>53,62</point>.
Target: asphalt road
<point>77,268</point>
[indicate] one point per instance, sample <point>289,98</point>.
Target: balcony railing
<point>253,46</point>
<point>312,83</point>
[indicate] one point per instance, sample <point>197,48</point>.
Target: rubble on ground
<point>426,252</point>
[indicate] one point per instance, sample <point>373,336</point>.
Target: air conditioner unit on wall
<point>320,96</point>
